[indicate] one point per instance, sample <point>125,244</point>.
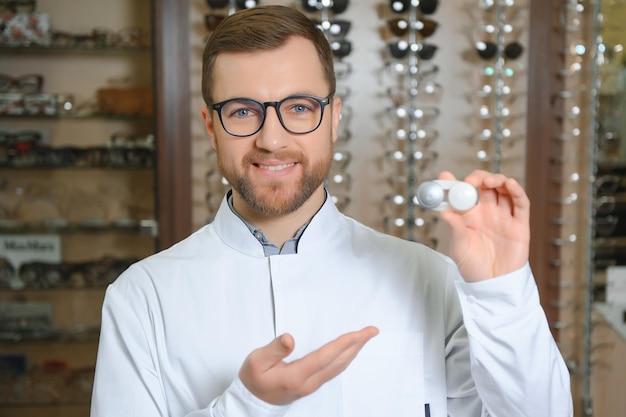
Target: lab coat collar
<point>323,228</point>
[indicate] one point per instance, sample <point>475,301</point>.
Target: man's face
<point>273,171</point>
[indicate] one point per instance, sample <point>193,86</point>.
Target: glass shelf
<point>70,116</point>
<point>44,404</point>
<point>144,227</point>
<point>78,168</point>
<point>52,336</point>
<point>39,49</point>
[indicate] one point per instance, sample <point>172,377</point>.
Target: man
<point>284,307</point>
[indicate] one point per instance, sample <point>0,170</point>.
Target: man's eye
<point>300,108</point>
<point>242,112</point>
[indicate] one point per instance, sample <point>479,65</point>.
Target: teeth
<point>276,167</point>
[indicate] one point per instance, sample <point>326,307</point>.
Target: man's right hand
<point>266,375</point>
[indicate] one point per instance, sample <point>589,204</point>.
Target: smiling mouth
<point>276,167</point>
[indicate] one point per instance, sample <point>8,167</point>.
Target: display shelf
<point>53,336</point>
<point>146,227</point>
<point>37,49</point>
<point>70,116</point>
<point>76,168</point>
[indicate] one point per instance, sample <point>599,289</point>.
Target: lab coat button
<point>471,299</point>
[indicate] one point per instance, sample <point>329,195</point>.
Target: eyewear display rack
<point>495,40</point>
<point>335,29</point>
<point>50,311</point>
<point>407,152</point>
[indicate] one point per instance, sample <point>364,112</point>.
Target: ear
<point>336,110</point>
<point>209,126</point>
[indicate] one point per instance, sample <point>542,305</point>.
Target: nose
<point>272,135</point>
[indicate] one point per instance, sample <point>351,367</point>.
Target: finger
<point>489,185</point>
<point>446,175</point>
<point>340,362</point>
<point>333,357</point>
<point>519,199</point>
<point>269,355</point>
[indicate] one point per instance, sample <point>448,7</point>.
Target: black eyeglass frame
<point>322,101</point>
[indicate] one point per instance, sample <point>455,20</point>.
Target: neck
<point>279,229</point>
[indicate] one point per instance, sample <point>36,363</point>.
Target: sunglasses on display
<point>341,48</point>
<point>336,6</point>
<point>400,26</point>
<point>424,6</point>
<point>337,27</point>
<point>489,50</point>
<point>240,4</point>
<point>401,48</point>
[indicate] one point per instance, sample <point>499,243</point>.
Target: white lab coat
<point>177,326</point>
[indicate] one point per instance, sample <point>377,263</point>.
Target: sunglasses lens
<point>486,50</point>
<point>428,27</point>
<point>340,27</point>
<point>212,20</point>
<point>217,4</point>
<point>247,4</point>
<point>428,6</point>
<point>339,6</point>
<point>398,26</point>
<point>341,48</point>
<point>398,49</point>
<point>513,50</point>
<point>399,6</point>
<point>427,51</point>
<point>310,6</point>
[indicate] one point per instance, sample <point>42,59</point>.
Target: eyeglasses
<point>298,114</point>
<point>30,83</point>
<point>424,6</point>
<point>426,92</point>
<point>341,47</point>
<point>425,115</point>
<point>15,6</point>
<point>130,37</point>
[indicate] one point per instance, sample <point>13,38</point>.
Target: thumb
<point>277,350</point>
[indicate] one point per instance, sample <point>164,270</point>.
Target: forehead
<point>271,74</point>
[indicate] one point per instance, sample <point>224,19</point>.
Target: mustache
<point>261,155</point>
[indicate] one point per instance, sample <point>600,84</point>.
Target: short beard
<point>276,199</point>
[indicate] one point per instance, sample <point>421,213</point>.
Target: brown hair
<point>262,28</point>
